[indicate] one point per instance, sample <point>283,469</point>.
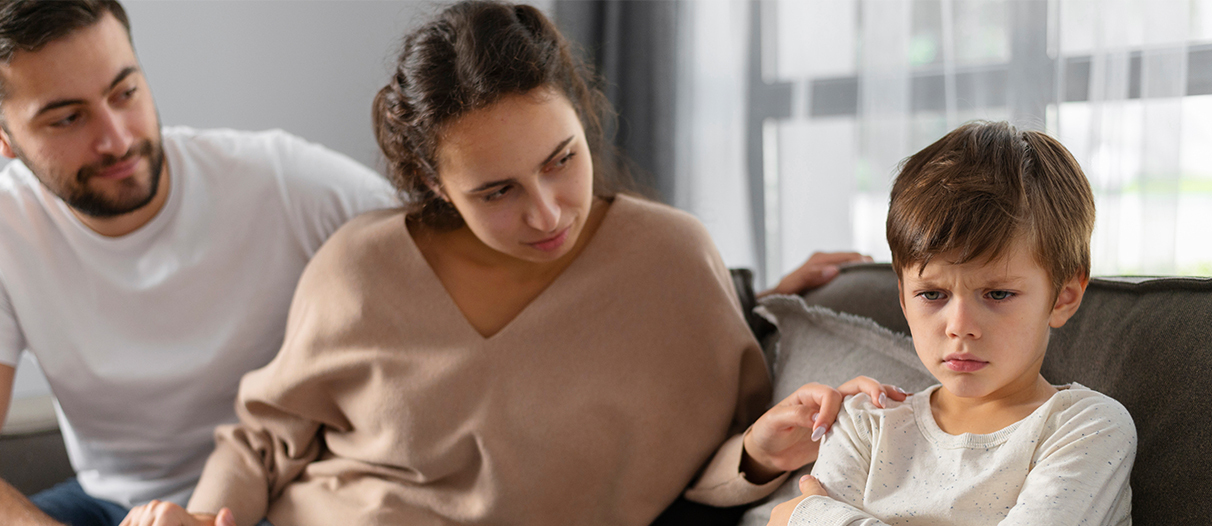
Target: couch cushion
<point>1145,342</point>
<point>815,344</point>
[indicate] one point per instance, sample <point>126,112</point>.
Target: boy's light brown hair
<point>971,193</point>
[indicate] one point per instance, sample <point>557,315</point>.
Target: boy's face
<point>981,328</point>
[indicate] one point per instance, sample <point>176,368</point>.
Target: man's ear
<point>1068,300</point>
<point>6,147</point>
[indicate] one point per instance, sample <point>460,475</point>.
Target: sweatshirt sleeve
<point>843,467</point>
<point>1081,471</point>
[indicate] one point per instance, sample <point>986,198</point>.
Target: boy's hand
<point>809,486</point>
<point>786,437</point>
<point>158,513</point>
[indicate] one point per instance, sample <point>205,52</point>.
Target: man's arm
<point>15,509</point>
<point>816,271</point>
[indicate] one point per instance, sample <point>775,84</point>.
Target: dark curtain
<point>631,45</point>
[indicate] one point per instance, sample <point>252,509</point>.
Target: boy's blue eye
<point>932,295</point>
<point>1000,295</point>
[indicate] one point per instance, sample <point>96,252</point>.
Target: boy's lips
<point>963,363</point>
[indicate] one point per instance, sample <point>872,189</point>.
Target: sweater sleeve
<point>284,407</point>
<point>254,460</point>
<point>1080,473</point>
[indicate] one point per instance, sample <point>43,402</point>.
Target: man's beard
<point>93,203</point>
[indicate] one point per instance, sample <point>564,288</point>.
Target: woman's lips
<point>553,242</point>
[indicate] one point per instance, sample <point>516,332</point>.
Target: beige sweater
<point>598,404</point>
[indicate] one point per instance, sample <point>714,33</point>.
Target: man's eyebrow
<point>554,153</point>
<point>53,105</point>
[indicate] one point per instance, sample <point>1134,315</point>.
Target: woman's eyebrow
<point>559,148</point>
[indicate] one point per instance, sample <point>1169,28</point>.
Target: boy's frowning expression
<point>981,327</point>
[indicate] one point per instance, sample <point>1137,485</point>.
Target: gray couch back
<point>1148,344</point>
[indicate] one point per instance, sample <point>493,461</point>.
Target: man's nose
<point>112,138</point>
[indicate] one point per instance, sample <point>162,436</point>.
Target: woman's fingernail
<point>899,390</point>
<point>883,400</point>
<point>815,416</point>
<point>818,433</point>
<point>829,271</point>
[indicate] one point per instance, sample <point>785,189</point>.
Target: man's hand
<point>809,486</point>
<point>158,513</point>
<point>818,270</point>
<point>786,437</point>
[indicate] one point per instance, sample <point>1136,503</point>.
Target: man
<point>147,269</point>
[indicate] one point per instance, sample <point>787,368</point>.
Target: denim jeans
<point>68,503</point>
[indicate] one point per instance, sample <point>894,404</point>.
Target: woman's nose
<point>544,213</point>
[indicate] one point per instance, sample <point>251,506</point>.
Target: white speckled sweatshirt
<point>1067,463</point>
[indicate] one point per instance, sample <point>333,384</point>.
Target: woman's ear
<point>1068,300</point>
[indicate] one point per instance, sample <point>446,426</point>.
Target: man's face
<point>79,114</point>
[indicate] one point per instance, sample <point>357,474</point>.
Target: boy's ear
<point>900,295</point>
<point>1068,300</point>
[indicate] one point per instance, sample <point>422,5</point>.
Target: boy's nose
<point>961,320</point>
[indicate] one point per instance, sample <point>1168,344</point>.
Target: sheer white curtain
<point>1125,84</point>
<point>711,113</point>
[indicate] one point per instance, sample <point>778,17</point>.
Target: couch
<point>1145,342</point>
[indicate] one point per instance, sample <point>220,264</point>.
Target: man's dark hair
<point>28,25</point>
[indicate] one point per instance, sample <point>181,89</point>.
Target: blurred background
<point>778,123</point>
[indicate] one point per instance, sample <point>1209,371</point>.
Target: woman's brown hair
<point>466,58</point>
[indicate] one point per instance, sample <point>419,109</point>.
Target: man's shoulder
<point>18,187</point>
<point>227,143</point>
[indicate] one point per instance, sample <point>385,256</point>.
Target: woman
<point>521,344</point>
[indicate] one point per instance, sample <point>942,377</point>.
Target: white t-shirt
<point>144,337</point>
<point>1067,463</point>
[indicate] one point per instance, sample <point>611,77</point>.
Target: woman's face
<point>520,174</point>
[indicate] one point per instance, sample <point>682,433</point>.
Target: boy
<point>990,232</point>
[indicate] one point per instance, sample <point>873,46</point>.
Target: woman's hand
<point>818,270</point>
<point>786,437</point>
<point>809,486</point>
<point>158,513</point>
